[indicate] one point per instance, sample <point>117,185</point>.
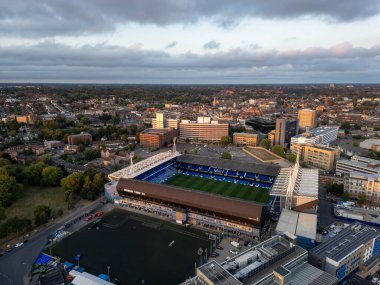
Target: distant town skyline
<point>190,42</point>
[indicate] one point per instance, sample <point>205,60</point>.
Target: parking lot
<point>225,248</point>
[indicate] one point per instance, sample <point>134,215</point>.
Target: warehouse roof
<point>260,168</point>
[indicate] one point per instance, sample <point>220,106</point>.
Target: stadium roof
<point>143,166</point>
<point>216,203</point>
<point>299,224</point>
<point>259,168</point>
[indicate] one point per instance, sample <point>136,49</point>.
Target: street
<point>15,265</point>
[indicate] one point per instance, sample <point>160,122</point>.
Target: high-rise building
<point>161,122</point>
<point>202,130</point>
<point>285,129</point>
<point>261,124</point>
<point>307,118</point>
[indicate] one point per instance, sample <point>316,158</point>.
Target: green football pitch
<point>229,189</point>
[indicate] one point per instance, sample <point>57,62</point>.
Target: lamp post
<point>108,270</point>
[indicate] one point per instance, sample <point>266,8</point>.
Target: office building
<point>161,122</point>
<point>358,164</point>
<point>156,138</point>
<point>246,139</point>
<point>274,261</point>
<point>307,119</point>
<point>349,250</point>
<point>320,156</point>
<point>356,183</point>
<point>320,135</point>
<point>202,130</point>
<point>371,144</point>
<point>261,124</point>
<point>82,138</point>
<point>285,129</point>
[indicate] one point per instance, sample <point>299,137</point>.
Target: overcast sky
<point>190,41</point>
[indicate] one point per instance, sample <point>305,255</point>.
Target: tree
<point>98,183</point>
<point>51,176</point>
<point>4,162</point>
<point>2,213</point>
<point>226,140</point>
<point>91,154</point>
<point>335,189</point>
<point>362,198</point>
<point>33,173</point>
<point>9,188</point>
<point>46,159</point>
<point>346,127</point>
<point>279,150</point>
<point>345,196</point>
<point>72,184</point>
<point>265,143</point>
<point>41,215</point>
<point>292,157</point>
<point>226,155</point>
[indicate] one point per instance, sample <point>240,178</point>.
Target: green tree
<point>346,127</point>
<point>292,157</point>
<point>279,150</point>
<point>98,184</point>
<point>9,188</point>
<point>2,213</point>
<point>33,173</point>
<point>226,140</point>
<point>4,162</point>
<point>46,159</point>
<point>362,198</point>
<point>51,176</point>
<point>90,154</point>
<point>226,155</point>
<point>345,196</point>
<point>41,215</point>
<point>72,184</point>
<point>335,189</point>
<point>265,143</point>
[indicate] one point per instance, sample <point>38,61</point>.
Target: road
<point>325,209</point>
<point>15,265</point>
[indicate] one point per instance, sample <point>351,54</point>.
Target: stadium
<point>224,195</point>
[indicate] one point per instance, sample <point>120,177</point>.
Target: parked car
<point>219,247</point>
<point>89,218</point>
<point>19,244</point>
<point>233,251</point>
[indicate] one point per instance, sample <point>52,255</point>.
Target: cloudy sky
<point>190,41</point>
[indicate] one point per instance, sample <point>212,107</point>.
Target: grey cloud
<point>54,62</point>
<point>211,45</point>
<point>44,18</point>
<point>171,45</point>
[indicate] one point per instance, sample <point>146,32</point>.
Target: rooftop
<point>156,131</point>
<point>317,131</point>
<point>259,168</point>
<point>304,273</point>
<point>345,242</point>
<point>299,224</point>
<point>217,274</point>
